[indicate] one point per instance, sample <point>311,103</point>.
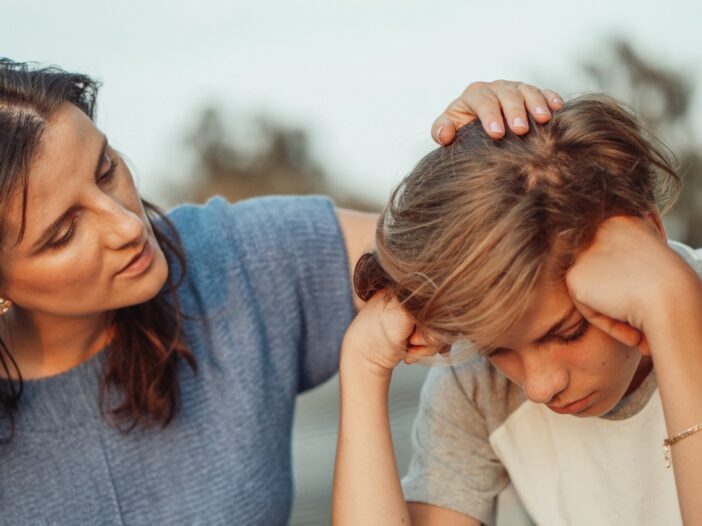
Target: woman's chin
<point>147,286</point>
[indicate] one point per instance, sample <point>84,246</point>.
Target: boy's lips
<point>573,407</point>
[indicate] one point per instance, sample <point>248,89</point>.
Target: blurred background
<point>243,98</point>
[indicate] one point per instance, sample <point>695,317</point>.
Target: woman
<point>150,364</point>
<point>547,253</point>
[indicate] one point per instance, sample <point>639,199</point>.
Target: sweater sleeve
<point>293,254</point>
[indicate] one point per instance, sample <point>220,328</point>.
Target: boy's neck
<point>642,371</point>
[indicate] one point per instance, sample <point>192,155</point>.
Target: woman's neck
<point>46,345</point>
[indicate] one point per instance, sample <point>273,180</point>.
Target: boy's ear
<point>655,219</point>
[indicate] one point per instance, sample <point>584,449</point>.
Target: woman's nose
<point>122,226</point>
<point>544,377</point>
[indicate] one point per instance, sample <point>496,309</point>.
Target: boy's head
<point>478,238</point>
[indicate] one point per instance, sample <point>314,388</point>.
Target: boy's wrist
<point>674,284</point>
<point>354,363</point>
<point>676,309</point>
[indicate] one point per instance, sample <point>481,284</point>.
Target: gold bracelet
<point>677,438</point>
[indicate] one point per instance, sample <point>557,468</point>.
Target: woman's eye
<point>574,336</point>
<point>65,238</point>
<point>110,171</point>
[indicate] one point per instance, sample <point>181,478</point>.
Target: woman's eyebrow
<point>557,326</point>
<point>51,229</point>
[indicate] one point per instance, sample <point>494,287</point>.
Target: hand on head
<point>494,103</point>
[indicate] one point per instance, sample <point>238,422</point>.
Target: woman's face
<point>88,246</point>
<point>562,361</point>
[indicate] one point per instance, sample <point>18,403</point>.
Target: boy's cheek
<point>509,367</point>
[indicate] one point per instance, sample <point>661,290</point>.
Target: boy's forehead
<point>547,305</point>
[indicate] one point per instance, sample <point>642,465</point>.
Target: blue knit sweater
<point>269,280</point>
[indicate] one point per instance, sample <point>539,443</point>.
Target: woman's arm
<point>358,229</point>
<point>629,277</point>
<point>366,482</point>
<point>487,101</point>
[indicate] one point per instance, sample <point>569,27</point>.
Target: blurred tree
<point>663,97</point>
<point>279,162</point>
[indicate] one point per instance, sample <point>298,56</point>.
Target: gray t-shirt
<point>476,432</point>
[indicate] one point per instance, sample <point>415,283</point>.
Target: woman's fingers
<point>493,103</point>
<point>518,98</point>
<point>443,130</point>
<point>482,100</point>
<point>553,99</point>
<point>535,102</point>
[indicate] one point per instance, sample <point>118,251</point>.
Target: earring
<point>4,306</point>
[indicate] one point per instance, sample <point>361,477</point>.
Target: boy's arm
<point>675,339</point>
<point>367,487</point>
<point>430,515</point>
<point>630,284</point>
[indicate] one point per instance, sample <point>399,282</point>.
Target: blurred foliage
<point>279,161</point>
<point>663,98</point>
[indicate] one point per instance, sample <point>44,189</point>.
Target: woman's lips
<point>574,407</point>
<point>140,263</point>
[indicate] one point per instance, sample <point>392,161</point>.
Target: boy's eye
<point>574,336</point>
<point>493,353</point>
<point>564,339</point>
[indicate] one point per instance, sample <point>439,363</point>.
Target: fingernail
<point>540,110</point>
<point>519,123</point>
<point>557,100</point>
<point>496,127</point>
<point>438,133</point>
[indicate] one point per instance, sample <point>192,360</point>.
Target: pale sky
<point>366,78</point>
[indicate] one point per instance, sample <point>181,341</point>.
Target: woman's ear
<point>5,305</point>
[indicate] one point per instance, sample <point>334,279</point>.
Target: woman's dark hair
<point>147,344</point>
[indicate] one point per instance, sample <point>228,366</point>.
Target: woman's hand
<point>625,277</point>
<point>382,335</point>
<point>493,103</point>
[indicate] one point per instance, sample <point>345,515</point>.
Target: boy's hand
<point>384,334</point>
<point>625,277</point>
